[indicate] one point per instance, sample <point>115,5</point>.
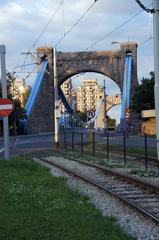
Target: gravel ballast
<point>130,220</point>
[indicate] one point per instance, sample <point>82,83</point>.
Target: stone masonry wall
<point>42,117</point>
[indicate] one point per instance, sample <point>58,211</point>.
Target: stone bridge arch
<point>108,63</point>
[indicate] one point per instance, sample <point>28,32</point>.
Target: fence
<point>131,151</point>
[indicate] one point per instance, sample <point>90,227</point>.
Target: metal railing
<point>112,148</point>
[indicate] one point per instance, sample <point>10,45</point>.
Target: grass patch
<point>37,206</point>
<point>152,152</point>
<point>111,163</point>
<point>143,173</point>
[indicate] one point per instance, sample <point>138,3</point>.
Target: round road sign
<point>6,107</point>
<point>90,114</point>
<point>127,116</point>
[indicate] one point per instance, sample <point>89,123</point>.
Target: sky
<point>21,22</point>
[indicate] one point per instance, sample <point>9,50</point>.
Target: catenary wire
<point>145,41</point>
<point>148,10</point>
<point>108,34</point>
<point>29,64</point>
<point>42,32</point>
<point>114,30</point>
<point>117,28</point>
<point>74,25</point>
<point>29,74</point>
<point>46,26</point>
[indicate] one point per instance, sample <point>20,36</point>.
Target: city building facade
<point>67,90</point>
<point>87,95</point>
<point>69,94</point>
<point>18,89</point>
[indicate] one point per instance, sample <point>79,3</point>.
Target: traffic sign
<point>6,107</point>
<point>127,116</point>
<point>127,110</point>
<point>90,114</point>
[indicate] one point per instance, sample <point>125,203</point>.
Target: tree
<point>26,95</point>
<point>18,114</point>
<point>144,95</point>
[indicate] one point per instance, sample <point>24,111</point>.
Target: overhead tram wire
<point>120,26</point>
<point>28,73</point>
<point>148,10</point>
<point>115,29</point>
<point>145,41</point>
<point>29,64</point>
<point>107,35</point>
<point>32,72</point>
<point>140,44</point>
<point>74,25</point>
<point>46,26</point>
<point>42,32</point>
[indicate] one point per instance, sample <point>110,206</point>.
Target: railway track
<point>140,195</point>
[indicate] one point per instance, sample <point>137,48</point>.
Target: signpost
<point>127,110</point>
<point>127,116</point>
<point>6,107</point>
<point>4,95</point>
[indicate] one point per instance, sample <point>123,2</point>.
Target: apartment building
<point>87,95</point>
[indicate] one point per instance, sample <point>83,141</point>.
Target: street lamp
<point>156,66</point>
<point>105,111</point>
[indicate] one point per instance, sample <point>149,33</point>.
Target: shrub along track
<point>141,195</point>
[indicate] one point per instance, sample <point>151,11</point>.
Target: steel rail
<point>132,179</point>
<point>87,179</point>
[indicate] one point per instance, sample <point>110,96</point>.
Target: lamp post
<point>56,108</point>
<point>156,66</point>
<point>105,110</point>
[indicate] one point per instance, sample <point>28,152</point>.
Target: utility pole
<point>4,95</point>
<point>105,110</point>
<point>56,107</point>
<point>156,65</point>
